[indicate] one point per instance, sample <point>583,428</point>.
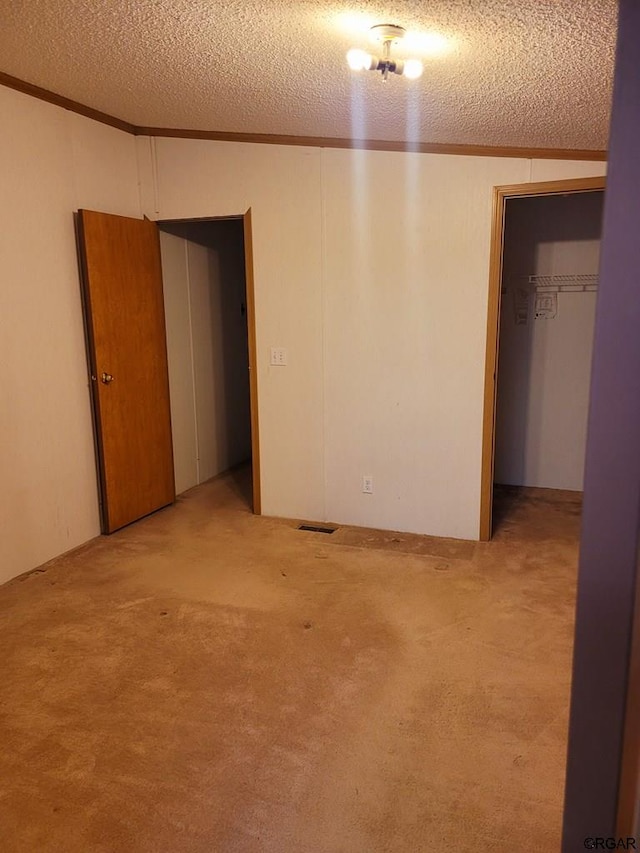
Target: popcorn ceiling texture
<point>519,72</point>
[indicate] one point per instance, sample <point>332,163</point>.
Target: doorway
<point>543,278</point>
<point>208,294</point>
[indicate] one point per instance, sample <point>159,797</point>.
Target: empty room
<point>298,311</point>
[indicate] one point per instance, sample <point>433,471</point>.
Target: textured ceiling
<point>516,72</point>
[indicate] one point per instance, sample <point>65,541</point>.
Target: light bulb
<point>412,69</point>
<point>358,59</point>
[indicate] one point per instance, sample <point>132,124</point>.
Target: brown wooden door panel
<point>122,278</point>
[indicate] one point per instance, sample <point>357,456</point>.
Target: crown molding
<point>306,141</point>
<point>66,103</point>
<point>378,144</point>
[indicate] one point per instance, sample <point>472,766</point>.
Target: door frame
<point>247,225</point>
<point>501,195</point>
<point>253,361</point>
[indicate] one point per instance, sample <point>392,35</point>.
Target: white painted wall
<point>282,185</point>
<point>383,315</point>
<point>406,254</point>
<point>177,307</point>
<point>371,268</point>
<point>204,288</point>
<point>545,366</point>
<point>54,162</point>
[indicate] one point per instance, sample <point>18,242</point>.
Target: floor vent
<point>312,528</point>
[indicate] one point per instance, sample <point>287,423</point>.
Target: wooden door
<point>122,281</point>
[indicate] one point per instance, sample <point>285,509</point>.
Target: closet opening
<point>544,283</point>
<point>209,310</point>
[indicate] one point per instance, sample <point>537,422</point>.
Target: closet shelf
<point>576,283</point>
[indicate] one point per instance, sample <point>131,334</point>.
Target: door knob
<point>106,378</point>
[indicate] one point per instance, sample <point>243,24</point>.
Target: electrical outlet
<point>278,356</point>
<point>367,485</point>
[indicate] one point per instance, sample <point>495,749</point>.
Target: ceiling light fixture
<point>360,60</point>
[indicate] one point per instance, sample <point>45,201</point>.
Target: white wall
<point>204,288</point>
<point>406,258</point>
<point>177,307</point>
<point>383,315</point>
<point>371,268</point>
<point>545,365</point>
<point>282,186</point>
<point>54,162</point>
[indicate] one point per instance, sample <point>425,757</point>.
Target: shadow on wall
<point>544,363</point>
<point>230,362</point>
<point>218,339</point>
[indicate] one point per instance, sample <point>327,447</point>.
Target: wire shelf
<point>571,283</point>
<point>576,283</point>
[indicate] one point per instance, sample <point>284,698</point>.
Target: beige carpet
<point>208,681</point>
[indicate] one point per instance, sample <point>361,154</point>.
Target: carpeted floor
<point>212,682</point>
